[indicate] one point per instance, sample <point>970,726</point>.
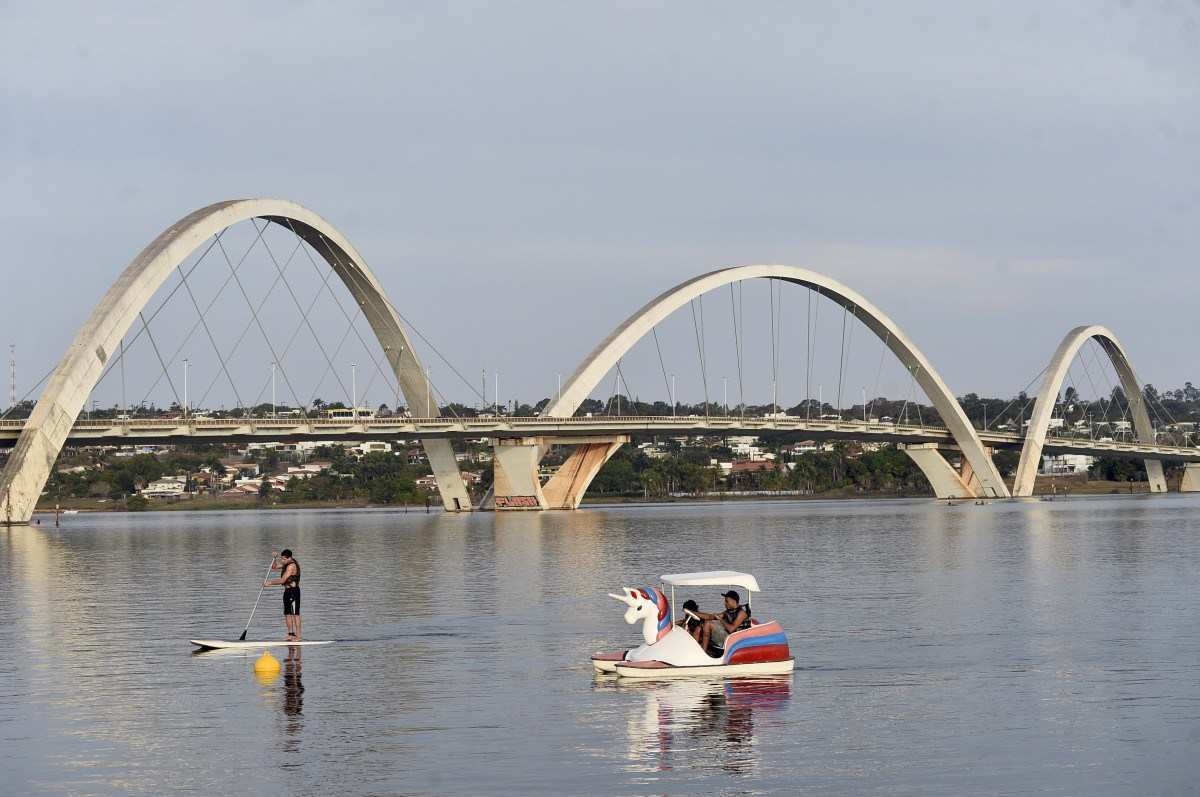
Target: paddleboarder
<point>289,579</point>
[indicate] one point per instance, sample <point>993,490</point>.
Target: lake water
<point>1013,648</point>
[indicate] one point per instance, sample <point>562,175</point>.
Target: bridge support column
<point>943,478</point>
<point>445,469</point>
<point>970,477</point>
<point>516,485</point>
<point>1155,475</point>
<point>566,487</point>
<point>1191,478</point>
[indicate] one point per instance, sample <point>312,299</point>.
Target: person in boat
<point>718,627</point>
<point>690,623</point>
<point>289,579</point>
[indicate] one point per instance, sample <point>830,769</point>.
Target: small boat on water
<point>671,652</point>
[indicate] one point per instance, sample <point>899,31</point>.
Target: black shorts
<point>291,600</point>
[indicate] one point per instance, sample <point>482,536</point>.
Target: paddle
<point>261,587</point>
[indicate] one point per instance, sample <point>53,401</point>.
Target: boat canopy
<point>713,578</point>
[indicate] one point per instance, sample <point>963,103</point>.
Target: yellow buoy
<point>266,664</point>
<point>266,678</point>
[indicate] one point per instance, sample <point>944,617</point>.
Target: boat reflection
<point>700,723</point>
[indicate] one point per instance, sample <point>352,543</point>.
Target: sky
<point>523,176</point>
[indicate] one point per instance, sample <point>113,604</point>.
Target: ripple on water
<point>1008,648</point>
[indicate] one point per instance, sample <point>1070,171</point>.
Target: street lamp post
<point>672,395</point>
<point>185,388</point>
<point>354,391</point>
<point>273,391</point>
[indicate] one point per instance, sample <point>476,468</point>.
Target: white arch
<point>46,431</point>
<point>605,356</point>
<point>1047,397</point>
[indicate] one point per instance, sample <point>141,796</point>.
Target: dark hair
<point>691,605</point>
<point>286,552</point>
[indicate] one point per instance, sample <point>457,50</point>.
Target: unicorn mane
<point>664,609</point>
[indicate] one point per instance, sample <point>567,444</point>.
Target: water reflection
<point>293,700</point>
<point>1050,645</point>
<point>699,723</point>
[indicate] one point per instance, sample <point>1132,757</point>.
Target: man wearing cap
<point>289,579</point>
<point>736,617</point>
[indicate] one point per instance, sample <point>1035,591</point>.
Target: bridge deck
<point>205,430</point>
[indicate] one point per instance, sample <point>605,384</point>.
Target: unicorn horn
<point>628,601</point>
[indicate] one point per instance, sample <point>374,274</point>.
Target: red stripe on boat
<point>760,654</point>
<point>619,656</point>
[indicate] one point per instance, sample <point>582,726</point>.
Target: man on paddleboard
<point>289,579</point>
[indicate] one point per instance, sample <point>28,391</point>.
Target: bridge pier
<point>566,488</point>
<point>516,485</point>
<point>1191,478</point>
<point>943,478</point>
<point>1155,476</point>
<point>451,488</point>
<point>515,482</point>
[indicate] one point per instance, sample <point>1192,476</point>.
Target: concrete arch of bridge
<point>36,450</point>
<point>985,480</point>
<point>1047,397</point>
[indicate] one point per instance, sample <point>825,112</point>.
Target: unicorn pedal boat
<point>671,652</point>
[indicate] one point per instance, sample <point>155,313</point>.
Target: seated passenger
<point>736,617</point>
<point>691,622</point>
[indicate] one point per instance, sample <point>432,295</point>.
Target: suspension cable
<point>879,371</point>
<point>158,354</point>
<point>162,305</point>
<point>266,338</point>
<point>212,341</point>
<point>700,351</point>
<point>662,364</point>
<point>774,356</point>
<point>28,392</point>
<point>421,335</point>
<point>808,358</point>
<point>350,320</point>
<point>737,346</point>
<point>841,360</point>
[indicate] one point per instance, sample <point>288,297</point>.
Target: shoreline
<point>1059,487</point>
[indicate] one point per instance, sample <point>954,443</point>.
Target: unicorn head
<point>650,606</point>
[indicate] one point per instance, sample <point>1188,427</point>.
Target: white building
<point>746,447</point>
<point>372,447</point>
<point>166,487</point>
<point>1066,463</point>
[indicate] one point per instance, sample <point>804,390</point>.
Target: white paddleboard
<point>219,644</point>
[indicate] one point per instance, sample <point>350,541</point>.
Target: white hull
<point>713,670</point>
<point>221,644</point>
<point>605,666</point>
